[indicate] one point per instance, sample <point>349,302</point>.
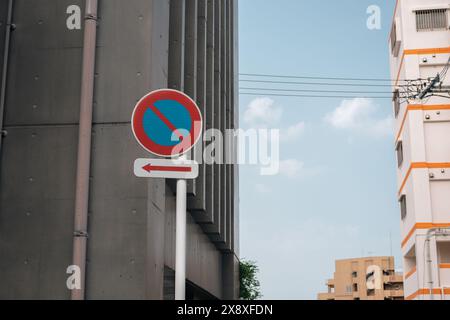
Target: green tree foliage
<point>249,284</point>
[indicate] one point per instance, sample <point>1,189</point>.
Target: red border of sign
<point>150,99</point>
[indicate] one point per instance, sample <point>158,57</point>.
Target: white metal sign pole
<point>180,249</point>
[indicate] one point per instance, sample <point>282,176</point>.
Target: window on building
<point>388,272</point>
<point>395,41</point>
<point>431,20</point>
<point>354,274</point>
<point>392,286</point>
<point>403,206</point>
<point>355,287</point>
<point>396,99</point>
<point>443,249</point>
<point>399,150</point>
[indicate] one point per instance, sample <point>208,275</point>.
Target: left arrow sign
<point>166,168</point>
<point>151,168</point>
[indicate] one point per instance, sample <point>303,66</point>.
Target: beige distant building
<point>372,278</point>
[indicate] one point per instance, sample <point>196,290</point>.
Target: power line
<point>310,96</point>
<point>433,87</point>
<point>318,78</point>
<point>316,91</point>
<point>321,83</point>
<point>443,73</point>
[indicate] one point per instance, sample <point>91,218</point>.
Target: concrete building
<point>372,278</point>
<point>140,45</point>
<point>420,49</point>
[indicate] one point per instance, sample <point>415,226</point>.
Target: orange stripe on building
<point>420,107</point>
<point>421,165</point>
<point>408,52</point>
<point>411,272</point>
<point>423,226</point>
<point>397,137</point>
<point>425,292</point>
<point>400,69</point>
<point>427,51</point>
<point>415,165</point>
<point>414,270</point>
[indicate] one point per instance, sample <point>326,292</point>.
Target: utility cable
<point>310,96</point>
<point>317,78</point>
<point>321,83</point>
<point>317,91</point>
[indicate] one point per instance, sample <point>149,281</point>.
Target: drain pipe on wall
<point>9,28</point>
<point>84,146</point>
<point>429,261</point>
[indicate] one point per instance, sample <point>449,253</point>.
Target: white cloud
<point>351,114</point>
<point>293,132</point>
<point>262,113</point>
<point>291,168</point>
<point>359,115</point>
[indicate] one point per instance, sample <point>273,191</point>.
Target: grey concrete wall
<point>215,44</point>
<point>39,152</point>
<point>126,215</point>
<point>3,18</point>
<point>204,261</point>
<point>131,221</point>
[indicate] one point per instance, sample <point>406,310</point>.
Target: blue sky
<point>336,195</point>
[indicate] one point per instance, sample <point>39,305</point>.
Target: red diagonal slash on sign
<point>166,121</point>
<point>149,168</point>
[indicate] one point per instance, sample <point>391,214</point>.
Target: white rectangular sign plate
<point>166,168</point>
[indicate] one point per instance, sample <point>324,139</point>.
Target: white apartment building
<point>420,49</point>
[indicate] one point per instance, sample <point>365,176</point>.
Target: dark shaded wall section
<point>131,245</point>
<point>3,22</point>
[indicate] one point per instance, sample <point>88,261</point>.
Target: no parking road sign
<point>167,123</point>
